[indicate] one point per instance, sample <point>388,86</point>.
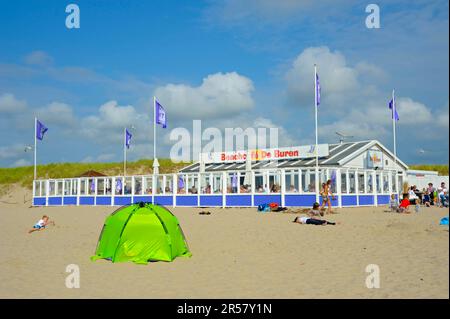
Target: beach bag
<point>273,207</point>
<point>444,221</point>
<point>263,208</point>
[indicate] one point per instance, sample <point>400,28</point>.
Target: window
<point>291,181</point>
<point>232,183</point>
<point>378,182</point>
<point>192,184</point>
<point>385,183</point>
<point>147,187</point>
<point>245,180</point>
<point>168,185</point>
<point>361,183</point>
<point>332,176</point>
<point>308,181</point>
<point>394,186</point>
<point>138,186</point>
<point>100,186</point>
<point>181,184</point>
<point>260,182</point>
<point>344,182</point>
<point>275,182</point>
<point>118,188</point>
<point>352,182</point>
<point>370,182</point>
<point>217,183</point>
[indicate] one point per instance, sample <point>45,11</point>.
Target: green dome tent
<point>141,233</point>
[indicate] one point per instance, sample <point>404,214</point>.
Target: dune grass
<point>24,175</point>
<point>442,169</point>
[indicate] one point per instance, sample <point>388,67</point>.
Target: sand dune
<point>237,253</point>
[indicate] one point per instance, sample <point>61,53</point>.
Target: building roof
<point>339,154</point>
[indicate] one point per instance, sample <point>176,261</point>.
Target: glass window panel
<point>127,186</point>
<point>275,182</point>
<point>205,183</point>
<point>192,184</point>
<point>344,182</point>
<point>260,182</point>
<point>361,183</point>
<point>385,183</point>
<point>137,185</point>
<point>168,187</point>
<point>148,186</point>
<point>100,186</point>
<point>245,182</point>
<point>118,188</point>
<point>291,181</point>
<point>232,183</point>
<point>352,182</point>
<point>394,186</point>
<point>378,182</point>
<point>181,184</point>
<point>369,182</point>
<point>217,183</point>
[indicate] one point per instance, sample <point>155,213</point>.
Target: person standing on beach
<point>325,194</point>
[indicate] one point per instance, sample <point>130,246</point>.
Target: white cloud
<point>39,58</point>
<point>108,124</point>
<point>412,112</point>
<point>336,77</point>
<point>220,94</point>
<point>57,113</point>
<point>9,104</point>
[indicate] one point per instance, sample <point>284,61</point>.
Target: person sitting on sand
<point>393,204</point>
<point>426,198</point>
<point>41,224</point>
<point>403,208</point>
<point>315,211</point>
<point>312,221</point>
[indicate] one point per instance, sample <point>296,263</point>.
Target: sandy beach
<point>237,253</point>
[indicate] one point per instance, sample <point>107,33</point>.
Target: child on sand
<point>311,221</point>
<point>403,208</point>
<point>315,211</point>
<point>41,224</point>
<point>393,204</point>
<point>417,207</point>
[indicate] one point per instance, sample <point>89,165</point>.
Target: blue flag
<point>160,114</point>
<point>317,90</point>
<point>393,107</point>
<point>40,130</point>
<point>127,138</point>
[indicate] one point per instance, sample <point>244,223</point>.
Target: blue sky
<point>230,64</point>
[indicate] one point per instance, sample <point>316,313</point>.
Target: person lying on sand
<point>312,221</point>
<point>41,224</point>
<point>315,211</point>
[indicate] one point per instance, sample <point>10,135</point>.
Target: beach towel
<point>263,208</point>
<point>444,221</point>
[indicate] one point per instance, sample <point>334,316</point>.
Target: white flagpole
<point>394,109</point>
<point>35,146</point>
<point>317,137</point>
<point>124,151</point>
<point>154,128</point>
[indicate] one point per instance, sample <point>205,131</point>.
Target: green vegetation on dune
<point>442,169</point>
<point>24,175</point>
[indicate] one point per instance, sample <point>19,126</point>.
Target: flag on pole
<point>393,107</point>
<point>317,90</point>
<point>40,130</point>
<point>160,114</point>
<point>127,138</point>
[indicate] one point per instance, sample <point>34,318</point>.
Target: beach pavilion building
<point>363,173</point>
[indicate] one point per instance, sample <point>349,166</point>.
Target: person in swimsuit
<point>41,224</point>
<point>326,192</point>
